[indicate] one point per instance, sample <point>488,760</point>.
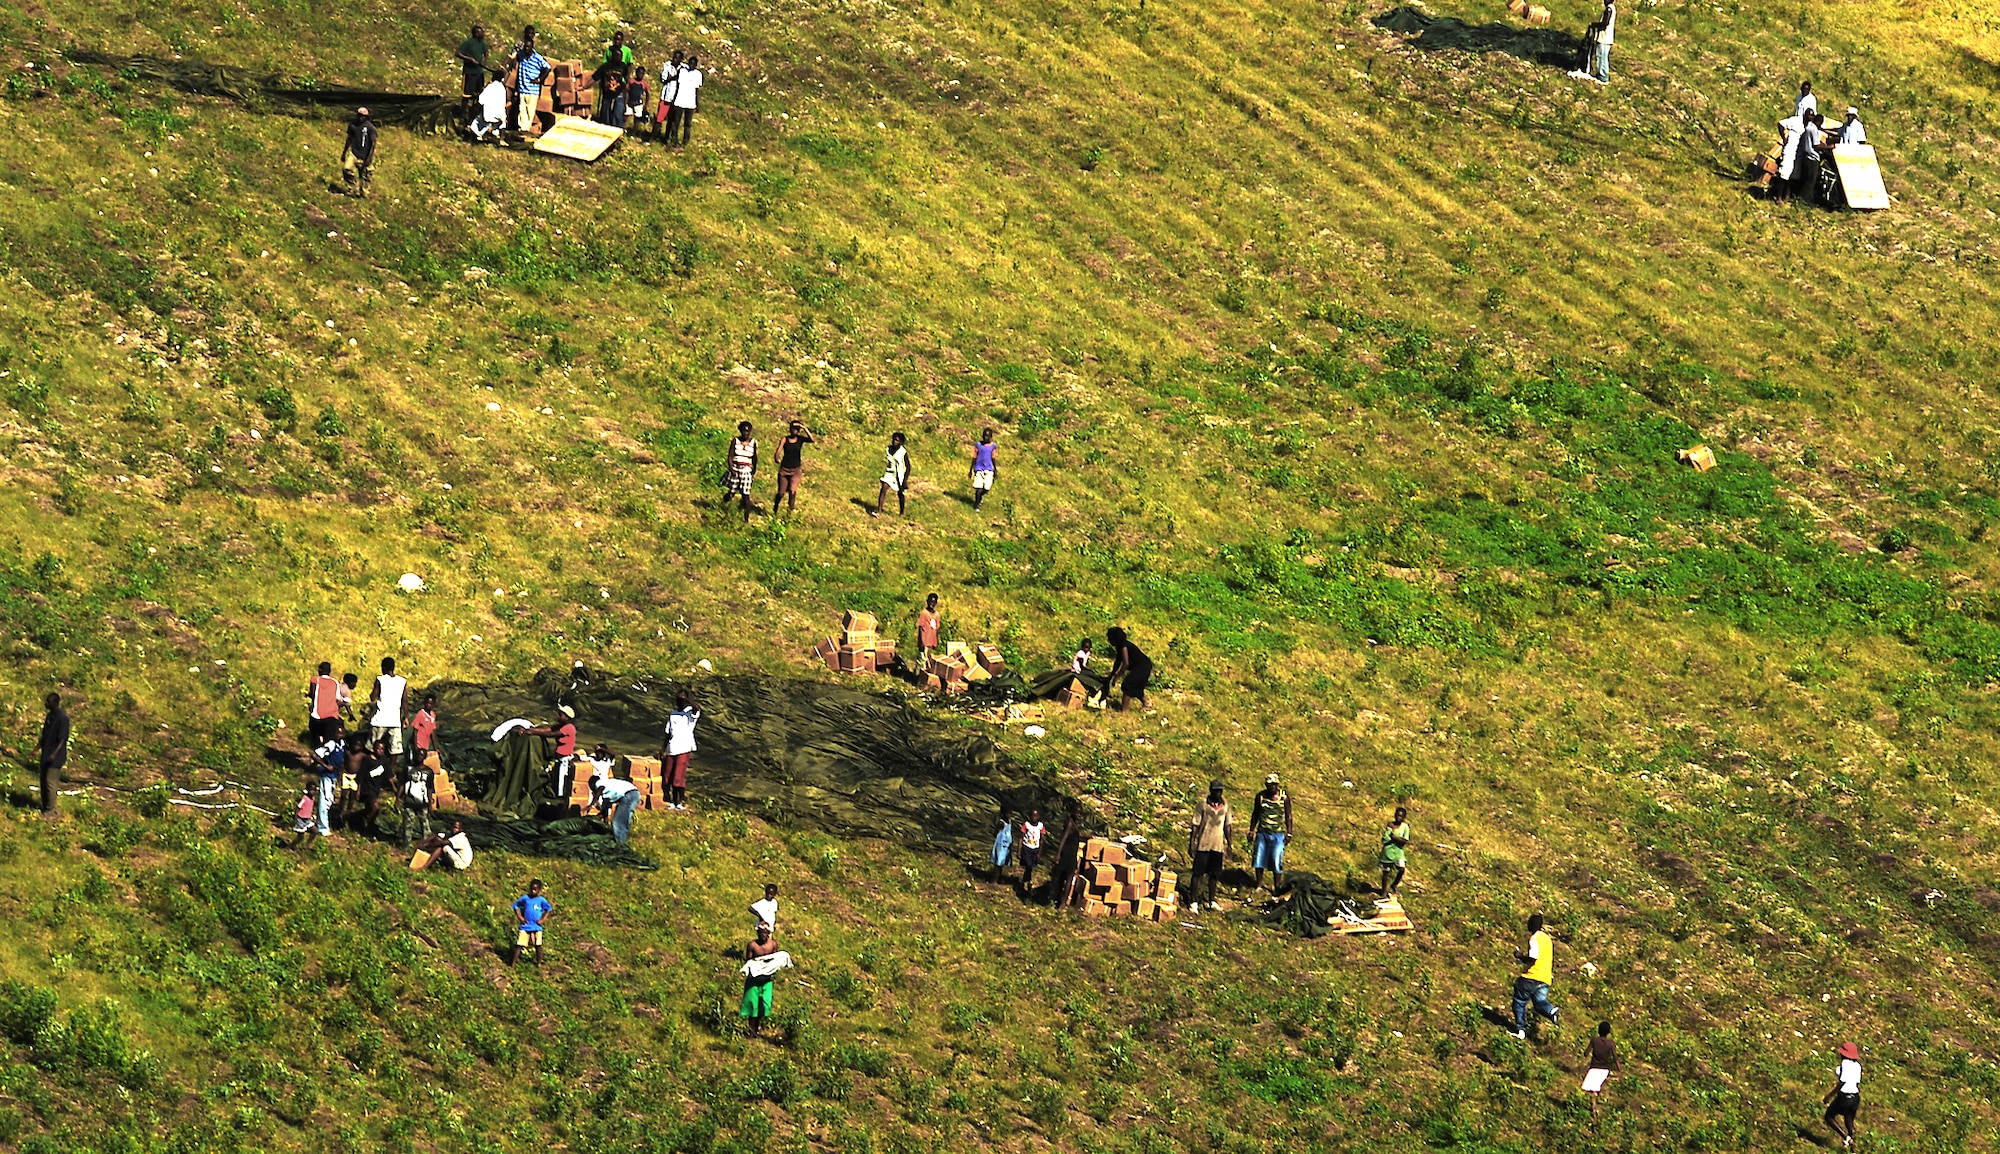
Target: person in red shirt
<point>564,732</point>
<point>323,693</point>
<point>928,624</point>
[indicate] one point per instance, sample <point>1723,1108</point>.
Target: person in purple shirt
<point>982,471</point>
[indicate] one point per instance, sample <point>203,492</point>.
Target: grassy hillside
<point>1345,369</point>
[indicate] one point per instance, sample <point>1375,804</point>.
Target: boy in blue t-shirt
<point>983,470</point>
<point>531,909</point>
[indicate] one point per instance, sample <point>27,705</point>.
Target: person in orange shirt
<point>928,625</point>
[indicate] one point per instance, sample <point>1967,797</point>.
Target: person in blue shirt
<point>614,799</point>
<point>531,70</point>
<point>531,909</point>
<point>329,760</point>
<point>1003,846</point>
<point>982,472</point>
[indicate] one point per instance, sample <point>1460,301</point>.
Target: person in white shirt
<point>1030,852</point>
<point>670,80</point>
<point>766,910</point>
<point>1605,26</point>
<point>456,849</point>
<point>1844,1100</point>
<point>1807,101</point>
<point>615,801</point>
<point>1851,131</point>
<point>677,748</point>
<point>390,699</point>
<point>686,91</point>
<point>1792,130</point>
<point>489,118</point>
<point>1080,660</point>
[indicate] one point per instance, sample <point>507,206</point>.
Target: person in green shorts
<point>1395,851</point>
<point>757,986</point>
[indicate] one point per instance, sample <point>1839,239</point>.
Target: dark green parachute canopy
<point>850,761</point>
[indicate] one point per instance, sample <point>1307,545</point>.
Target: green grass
<point>1346,373</point>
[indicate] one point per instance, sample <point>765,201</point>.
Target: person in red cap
<point>1845,1098</point>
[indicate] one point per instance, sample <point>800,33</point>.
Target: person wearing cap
<point>564,732</point>
<point>357,158</point>
<point>1851,131</point>
<point>1844,1100</point>
<point>1395,852</point>
<point>1210,837</point>
<point>1270,829</point>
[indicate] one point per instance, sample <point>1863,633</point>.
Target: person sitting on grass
<point>531,911</point>
<point>1080,660</point>
<point>455,850</point>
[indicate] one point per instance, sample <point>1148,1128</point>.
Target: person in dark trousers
<point>323,701</point>
<point>1805,168</point>
<point>1210,837</point>
<point>1069,857</point>
<point>1843,1101</point>
<point>471,56</point>
<point>791,466</point>
<point>1603,1063</point>
<point>687,89</point>
<point>612,75</point>
<point>52,753</point>
<point>1131,670</point>
<point>1029,850</point>
<point>357,158</point>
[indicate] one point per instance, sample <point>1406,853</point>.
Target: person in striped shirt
<point>531,71</point>
<point>740,474</point>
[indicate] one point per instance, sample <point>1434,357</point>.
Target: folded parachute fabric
<point>765,966</point>
<point>508,726</point>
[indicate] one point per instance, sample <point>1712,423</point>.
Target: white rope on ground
<point>224,805</point>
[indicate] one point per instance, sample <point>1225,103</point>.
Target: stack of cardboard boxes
<point>1117,884</point>
<point>643,772</point>
<point>444,795</point>
<point>859,648</point>
<point>955,667</point>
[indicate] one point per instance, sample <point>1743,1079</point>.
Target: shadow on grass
<point>1544,46</point>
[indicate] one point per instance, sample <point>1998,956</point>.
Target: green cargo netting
<point>575,838</point>
<point>850,761</point>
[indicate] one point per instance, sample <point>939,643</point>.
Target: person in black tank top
<point>791,466</point>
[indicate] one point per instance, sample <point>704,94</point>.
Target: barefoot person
<point>455,851</point>
<point>929,623</point>
<point>1844,1100</point>
<point>983,470</point>
<point>791,466</point>
<point>52,751</point>
<point>739,472</point>
<point>765,909</point>
<point>1395,852</point>
<point>1030,853</point>
<point>761,962</point>
<point>895,477</point>
<point>1603,1063</point>
<point>531,912</point>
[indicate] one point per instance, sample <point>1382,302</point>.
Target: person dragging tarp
<point>357,159</point>
<point>1210,837</point>
<point>1537,959</point>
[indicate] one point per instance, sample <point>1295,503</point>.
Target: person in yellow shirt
<point>1537,959</point>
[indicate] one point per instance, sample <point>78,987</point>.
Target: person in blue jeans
<point>328,760</point>
<point>1537,959</point>
<point>531,910</point>
<point>616,800</point>
<point>1606,24</point>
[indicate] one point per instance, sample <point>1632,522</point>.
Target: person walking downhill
<point>357,157</point>
<point>1395,852</point>
<point>52,751</point>
<point>1210,838</point>
<point>739,471</point>
<point>1270,831</point>
<point>677,748</point>
<point>1537,959</point>
<point>895,476</point>
<point>983,470</point>
<point>1603,1063</point>
<point>687,89</point>
<point>1844,1100</point>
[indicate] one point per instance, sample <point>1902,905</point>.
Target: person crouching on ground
<point>489,118</point>
<point>614,801</point>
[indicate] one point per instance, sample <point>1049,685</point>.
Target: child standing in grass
<point>740,472</point>
<point>1003,846</point>
<point>1395,851</point>
<point>983,470</point>
<point>1032,832</point>
<point>1603,1061</point>
<point>928,626</point>
<point>531,911</point>
<point>302,826</point>
<point>895,477</point>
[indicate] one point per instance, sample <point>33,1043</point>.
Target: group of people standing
<point>387,757</point>
<point>1807,152</point>
<point>501,98</point>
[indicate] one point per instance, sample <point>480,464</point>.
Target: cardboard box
<point>1163,912</point>
<point>958,649</point>
<point>957,687</point>
<point>1164,883</point>
<point>1113,853</point>
<point>932,684</point>
<point>1130,892</point>
<point>977,673</point>
<point>1135,873</point>
<point>885,654</point>
<point>948,670</point>
<point>1095,909</point>
<point>828,651</point>
<point>1148,908</point>
<point>989,658</point>
<point>851,621</point>
<point>1701,457</point>
<point>853,660</point>
<point>1072,695</point>
<point>858,638</point>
